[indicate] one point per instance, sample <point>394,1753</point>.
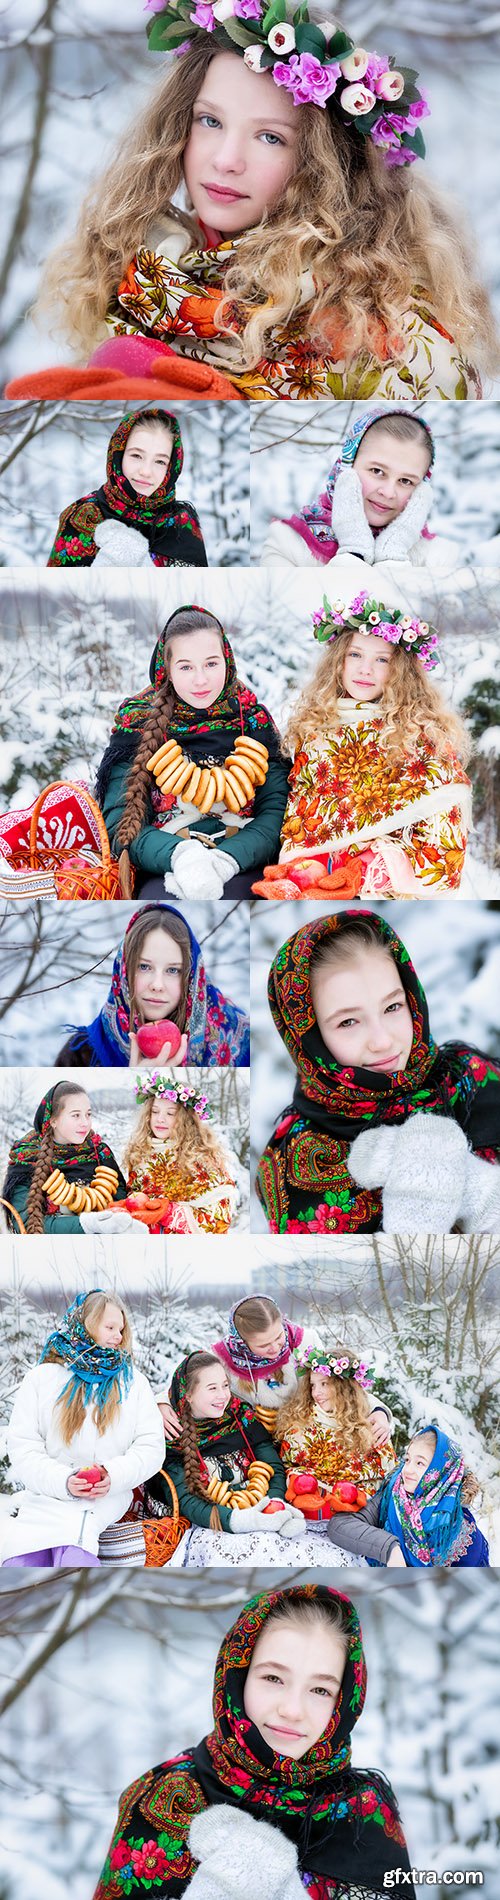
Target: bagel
<point>54,1180</point>
<point>247,784</point>
<point>191,788</point>
<point>209,798</point>
<point>254,745</point>
<point>255,766</point>
<point>233,787</point>
<point>202,786</point>
<point>219,782</point>
<point>169,750</point>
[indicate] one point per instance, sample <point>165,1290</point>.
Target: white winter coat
<point>284,547</point>
<point>44,1514</point>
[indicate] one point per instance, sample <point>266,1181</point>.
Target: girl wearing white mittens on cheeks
<point>179,1176</point>
<point>268,1804</point>
<point>83,1433</point>
<point>134,518</point>
<point>386,1129</point>
<point>374,508</point>
<point>193,785</point>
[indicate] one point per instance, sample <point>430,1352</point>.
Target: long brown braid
<point>188,1444</point>
<point>45,1162</point>
<point>188,620</point>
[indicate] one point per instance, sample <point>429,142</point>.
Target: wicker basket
<point>73,874</point>
<point>148,1542</point>
<point>13,1210</point>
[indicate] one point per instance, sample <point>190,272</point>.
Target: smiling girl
<point>134,517</point>
<point>62,1174</point>
<point>159,976</point>
<point>422,1515</point>
<point>262,215</point>
<point>379,801</point>
<point>374,507</point>
<point>179,1175</point>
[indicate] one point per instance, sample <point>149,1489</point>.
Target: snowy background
<point>73,644</point>
<point>72,80</point>
<point>430,1720</point>
<point>51,453</point>
<point>56,962</point>
<point>455,950</point>
<point>290,461</point>
<point>423,1310</point>
<point>112,1094</point>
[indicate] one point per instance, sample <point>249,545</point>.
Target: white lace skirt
<point>201,1548</point>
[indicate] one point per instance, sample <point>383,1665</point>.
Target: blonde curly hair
<point>412,708</point>
<point>373,238</point>
<point>191,1142</point>
<point>350,1413</point>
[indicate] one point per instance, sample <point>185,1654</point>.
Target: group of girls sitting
<point>386,1129</point>
<point>159,978</point>
<point>269,1803</point>
<point>63,1178</point>
<point>263,217</point>
<point>278,1449</point>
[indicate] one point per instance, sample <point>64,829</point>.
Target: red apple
<point>305,1482</point>
<point>91,1473</point>
<point>275,1505</point>
<point>152,1037</point>
<point>348,1492</point>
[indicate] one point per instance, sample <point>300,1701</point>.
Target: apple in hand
<point>151,1038</point>
<point>275,1505</point>
<point>347,1491</point>
<point>92,1473</point>
<point>305,1482</point>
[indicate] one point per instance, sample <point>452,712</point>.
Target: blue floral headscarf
<point>314,523</point>
<point>428,1522</point>
<point>217,1031</point>
<point>94,1370</point>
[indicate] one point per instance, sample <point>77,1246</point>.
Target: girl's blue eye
<point>206,118</point>
<point>273,138</point>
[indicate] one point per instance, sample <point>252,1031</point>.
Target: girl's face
<point>419,1456</point>
<point>293,1684</point>
<point>366,668</point>
<point>268,1344</point>
<point>108,1330</point>
<point>197,668</point>
<point>146,457</point>
<point>321,1389</point>
<point>241,148</point>
<point>389,471</point>
<point>73,1121</point>
<point>362,1013</point>
<point>163,1116</point>
<point>211,1393</point>
<point>158,977</point>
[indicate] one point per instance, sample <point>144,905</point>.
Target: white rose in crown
<point>355,64</point>
<point>357,100</point>
<point>223,9</point>
<point>390,85</point>
<point>282,38</point>
<point>253,57</point>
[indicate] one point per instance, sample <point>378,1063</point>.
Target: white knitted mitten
<point>241,1522</point>
<point>199,872</point>
<point>480,1209</point>
<point>349,523</point>
<point>395,542</point>
<point>112,1220</point>
<point>242,1858</point>
<point>120,546</point>
<point>420,1168</point>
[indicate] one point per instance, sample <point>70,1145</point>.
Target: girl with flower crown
<point>325,1439</point>
<point>229,1479</point>
<point>135,517</point>
<point>179,1176</point>
<point>159,977</point>
<point>192,785</point>
<point>62,1177</point>
<point>374,508</point>
<point>84,1432</point>
<point>198,1825</point>
<point>421,1515</point>
<point>379,802</point>
<point>263,216</point>
<point>386,1130</point>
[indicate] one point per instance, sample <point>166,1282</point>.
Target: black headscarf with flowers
<point>344,1821</point>
<point>171,527</point>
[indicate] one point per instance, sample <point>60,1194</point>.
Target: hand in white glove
<point>120,546</point>
<point>395,542</point>
<point>112,1220</point>
<point>480,1209</point>
<point>250,1519</point>
<point>290,1522</point>
<point>240,1857</point>
<point>199,872</point>
<point>351,529</point>
<point>420,1168</point>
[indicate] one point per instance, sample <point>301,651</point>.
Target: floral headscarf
<point>314,523</point>
<point>428,1520</point>
<point>78,1161</point>
<point>217,1030</point>
<point>238,1356</point>
<point>94,1370</point>
<point>171,527</point>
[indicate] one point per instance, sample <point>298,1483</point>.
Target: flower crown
<point>334,1365</point>
<point>388,623</point>
<point>318,63</point>
<point>159,1084</point>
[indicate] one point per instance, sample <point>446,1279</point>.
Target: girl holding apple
<point>325,1439</point>
<point>160,1004</point>
<point>84,1432</point>
<point>179,1178</point>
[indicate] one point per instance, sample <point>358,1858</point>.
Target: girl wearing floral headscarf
<point>179,1176</point>
<point>379,803</point>
<point>386,1129</point>
<point>324,1433</point>
<point>134,517</point>
<point>62,1177</point>
<point>258,1809</point>
<point>84,1432</point>
<point>421,1515</point>
<point>374,507</point>
<point>192,785</point>
<point>158,974</point>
